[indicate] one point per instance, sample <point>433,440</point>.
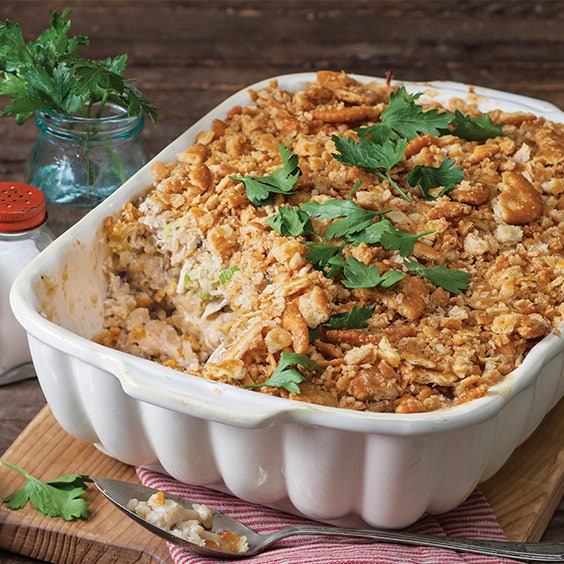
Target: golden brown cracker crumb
<point>424,348</point>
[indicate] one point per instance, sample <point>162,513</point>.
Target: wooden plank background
<point>191,54</point>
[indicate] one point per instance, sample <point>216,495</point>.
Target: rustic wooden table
<point>190,55</point>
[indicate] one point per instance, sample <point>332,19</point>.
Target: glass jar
<point>80,161</point>
<point>23,235</point>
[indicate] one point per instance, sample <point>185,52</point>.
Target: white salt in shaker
<point>23,234</point>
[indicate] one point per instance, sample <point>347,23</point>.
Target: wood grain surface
<point>523,495</point>
<point>44,449</point>
<point>191,54</point>
<point>526,492</point>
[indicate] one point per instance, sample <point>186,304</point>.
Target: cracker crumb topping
<point>200,281</point>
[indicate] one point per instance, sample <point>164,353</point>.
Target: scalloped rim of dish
<point>167,388</point>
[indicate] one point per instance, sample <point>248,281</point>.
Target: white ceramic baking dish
<point>326,463</point>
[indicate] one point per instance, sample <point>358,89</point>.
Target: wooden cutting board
<point>46,451</point>
<point>523,494</point>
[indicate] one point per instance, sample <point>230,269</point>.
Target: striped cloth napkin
<point>473,519</point>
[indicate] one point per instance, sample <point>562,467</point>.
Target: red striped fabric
<point>473,519</point>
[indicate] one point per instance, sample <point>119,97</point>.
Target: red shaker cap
<point>22,207</point>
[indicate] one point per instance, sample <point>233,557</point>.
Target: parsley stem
<point>394,185</point>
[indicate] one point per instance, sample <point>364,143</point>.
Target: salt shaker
<point>23,235</point>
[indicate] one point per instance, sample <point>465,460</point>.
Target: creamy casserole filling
<point>410,279</point>
<point>194,525</point>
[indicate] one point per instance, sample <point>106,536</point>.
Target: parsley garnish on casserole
<point>349,245</point>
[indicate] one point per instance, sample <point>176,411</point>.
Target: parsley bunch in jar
<point>88,114</point>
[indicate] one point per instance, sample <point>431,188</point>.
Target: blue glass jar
<point>80,161</point>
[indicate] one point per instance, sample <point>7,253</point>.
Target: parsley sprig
<point>454,281</point>
<point>381,147</point>
<point>477,128</point>
<point>47,73</point>
<point>260,189</point>
<point>408,118</point>
<point>60,497</point>
<point>359,275</point>
<point>356,318</point>
<point>291,222</point>
<point>326,258</point>
<point>354,218</point>
<point>446,176</point>
<point>384,233</point>
<point>377,158</point>
<point>354,225</point>
<point>287,374</point>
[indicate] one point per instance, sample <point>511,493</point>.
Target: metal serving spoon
<point>120,492</point>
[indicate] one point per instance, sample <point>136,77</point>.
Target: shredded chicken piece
<point>424,348</point>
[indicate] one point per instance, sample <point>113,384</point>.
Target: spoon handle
<point>526,551</point>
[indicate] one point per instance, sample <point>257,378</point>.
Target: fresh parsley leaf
<point>359,275</point>
<point>384,232</point>
<point>291,222</point>
<point>314,333</point>
<point>356,218</point>
<point>477,128</point>
<point>53,43</point>
<point>286,375</point>
<point>47,73</point>
<point>227,274</point>
<point>396,240</point>
<point>367,154</point>
<point>377,158</point>
<point>357,186</point>
<point>378,133</point>
<point>404,115</point>
<point>446,176</point>
<point>55,498</point>
<point>260,189</point>
<point>454,281</point>
<point>22,108</point>
<point>64,92</point>
<point>373,234</point>
<point>326,257</point>
<point>354,319</point>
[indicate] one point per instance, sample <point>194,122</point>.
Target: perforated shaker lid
<point>22,207</point>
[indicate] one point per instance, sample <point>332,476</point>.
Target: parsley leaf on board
<point>354,319</point>
<point>47,73</point>
<point>260,189</point>
<point>452,280</point>
<point>60,497</point>
<point>477,128</point>
<point>446,176</point>
<point>359,275</point>
<point>286,375</point>
<point>404,115</point>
